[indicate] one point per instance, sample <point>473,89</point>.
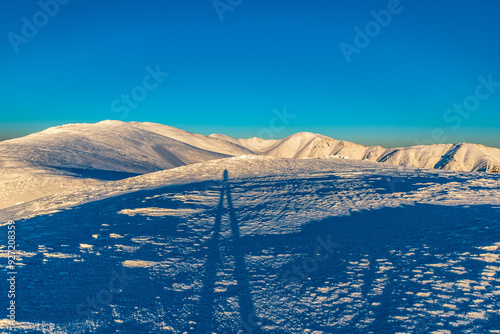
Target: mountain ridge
<point>457,157</point>
<point>79,154</point>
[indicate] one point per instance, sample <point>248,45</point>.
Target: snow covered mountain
<point>456,157</point>
<point>75,155</point>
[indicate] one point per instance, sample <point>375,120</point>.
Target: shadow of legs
<point>207,300</point>
<point>247,309</point>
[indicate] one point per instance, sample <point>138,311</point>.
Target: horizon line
<point>42,126</point>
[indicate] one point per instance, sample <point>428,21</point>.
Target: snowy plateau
<point>126,227</point>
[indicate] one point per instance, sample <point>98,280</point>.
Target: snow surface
<point>283,246</point>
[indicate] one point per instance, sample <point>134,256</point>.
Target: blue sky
<point>235,75</point>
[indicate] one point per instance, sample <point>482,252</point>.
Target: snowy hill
<point>245,167</point>
<point>75,155</point>
<point>255,144</point>
<point>58,158</point>
<point>204,142</point>
<point>272,245</point>
<point>107,145</point>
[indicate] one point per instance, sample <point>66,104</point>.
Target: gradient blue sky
<point>227,76</point>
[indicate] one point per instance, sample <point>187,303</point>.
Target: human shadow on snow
<point>77,274</point>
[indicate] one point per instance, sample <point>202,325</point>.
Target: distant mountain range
<point>74,155</point>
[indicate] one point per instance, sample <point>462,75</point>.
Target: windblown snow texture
<point>277,246</point>
<point>141,228</point>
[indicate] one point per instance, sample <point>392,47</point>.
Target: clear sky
<point>373,72</point>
